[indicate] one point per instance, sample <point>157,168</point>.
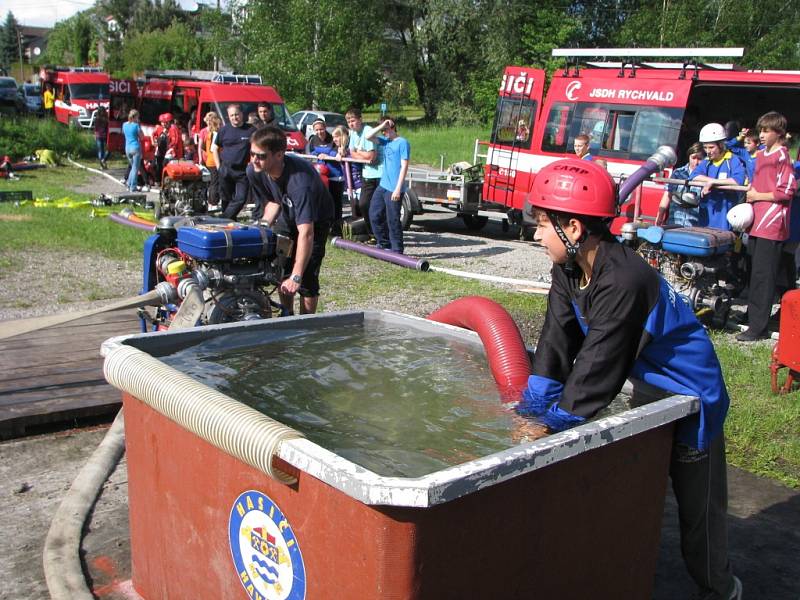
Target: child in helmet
<point>771,195</point>
<point>721,167</point>
<point>679,204</point>
<point>611,316</point>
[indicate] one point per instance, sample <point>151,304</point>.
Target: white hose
<point>467,275</point>
<point>62,547</point>
<point>239,430</point>
<point>91,170</point>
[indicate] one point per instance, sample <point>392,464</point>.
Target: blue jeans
<point>102,152</point>
<point>384,216</point>
<point>134,155</point>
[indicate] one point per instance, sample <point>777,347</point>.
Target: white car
<point>305,118</point>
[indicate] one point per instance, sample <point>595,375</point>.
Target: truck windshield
<point>614,130</point>
<point>513,122</point>
<point>88,91</point>
<point>282,118</point>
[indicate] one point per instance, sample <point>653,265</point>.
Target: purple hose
<point>123,221</point>
<point>663,157</point>
<point>409,262</point>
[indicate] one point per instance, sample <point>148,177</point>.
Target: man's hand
<point>396,196</point>
<point>289,287</point>
<point>525,430</point>
<point>752,195</point>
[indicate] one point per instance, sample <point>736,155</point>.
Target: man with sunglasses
<point>297,204</point>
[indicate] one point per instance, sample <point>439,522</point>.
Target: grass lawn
<point>762,429</point>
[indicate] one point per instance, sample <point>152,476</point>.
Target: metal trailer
<point>458,189</point>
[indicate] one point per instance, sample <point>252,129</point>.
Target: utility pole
<point>216,57</point>
<point>19,46</point>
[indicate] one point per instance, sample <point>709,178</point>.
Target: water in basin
<point>397,400</point>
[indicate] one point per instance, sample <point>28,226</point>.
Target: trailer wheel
<point>406,212</point>
<point>475,222</point>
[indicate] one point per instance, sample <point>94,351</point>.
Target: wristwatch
<point>297,278</point>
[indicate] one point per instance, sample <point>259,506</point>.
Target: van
<point>189,95</point>
<point>628,108</point>
<point>79,92</point>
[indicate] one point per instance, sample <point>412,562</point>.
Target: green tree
<point>172,48</point>
<point>769,29</point>
<point>152,15</point>
<point>73,41</point>
<point>323,53</point>
<point>9,49</point>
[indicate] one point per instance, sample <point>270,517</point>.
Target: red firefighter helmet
<point>574,186</point>
<point>165,117</point>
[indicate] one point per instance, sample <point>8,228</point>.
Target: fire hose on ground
<point>420,264</point>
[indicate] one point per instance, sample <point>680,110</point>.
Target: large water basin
<point>396,469</point>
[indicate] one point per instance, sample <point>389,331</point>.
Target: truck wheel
<point>474,222</point>
<point>406,212</point>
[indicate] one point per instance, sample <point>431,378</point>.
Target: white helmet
<point>713,132</point>
<point>740,216</point>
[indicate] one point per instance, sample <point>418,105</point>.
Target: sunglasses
<point>258,155</point>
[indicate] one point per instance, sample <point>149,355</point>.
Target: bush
<point>20,137</point>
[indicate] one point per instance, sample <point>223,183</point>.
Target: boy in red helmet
<point>610,316</point>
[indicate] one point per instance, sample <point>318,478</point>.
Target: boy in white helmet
<point>611,316</point>
<point>721,167</point>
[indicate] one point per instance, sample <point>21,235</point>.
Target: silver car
<point>305,118</point>
<point>31,95</point>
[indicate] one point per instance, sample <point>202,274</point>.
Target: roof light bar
<point>648,52</point>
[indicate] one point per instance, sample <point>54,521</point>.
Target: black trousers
<point>765,261</point>
<point>213,186</point>
<point>700,483</point>
<point>233,188</point>
<point>368,188</point>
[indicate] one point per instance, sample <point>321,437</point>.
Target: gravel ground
<point>67,282</point>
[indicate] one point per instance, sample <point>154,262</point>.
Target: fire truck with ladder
<point>629,101</point>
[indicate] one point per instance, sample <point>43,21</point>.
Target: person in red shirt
<point>167,141</point>
<point>771,195</point>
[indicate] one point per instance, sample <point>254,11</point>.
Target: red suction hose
<point>508,358</point>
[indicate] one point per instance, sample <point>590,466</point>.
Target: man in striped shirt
<point>771,195</point>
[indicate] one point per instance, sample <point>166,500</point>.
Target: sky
<point>45,13</point>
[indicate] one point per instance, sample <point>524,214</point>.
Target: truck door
<point>123,94</point>
<point>516,116</point>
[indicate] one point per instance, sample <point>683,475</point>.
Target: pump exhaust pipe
<point>663,157</point>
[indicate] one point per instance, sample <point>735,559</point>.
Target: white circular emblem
<point>265,552</point>
<point>572,89</point>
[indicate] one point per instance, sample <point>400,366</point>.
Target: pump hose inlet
<point>231,426</point>
<point>505,349</point>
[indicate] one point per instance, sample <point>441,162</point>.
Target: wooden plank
<point>74,364</point>
<point>17,420</point>
<point>54,375</point>
<point>54,393</point>
<point>57,379</point>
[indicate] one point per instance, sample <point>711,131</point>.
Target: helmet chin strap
<point>572,249</point>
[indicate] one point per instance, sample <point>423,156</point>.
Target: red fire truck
<point>189,95</point>
<point>628,107</point>
<point>124,96</point>
<point>79,92</point>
